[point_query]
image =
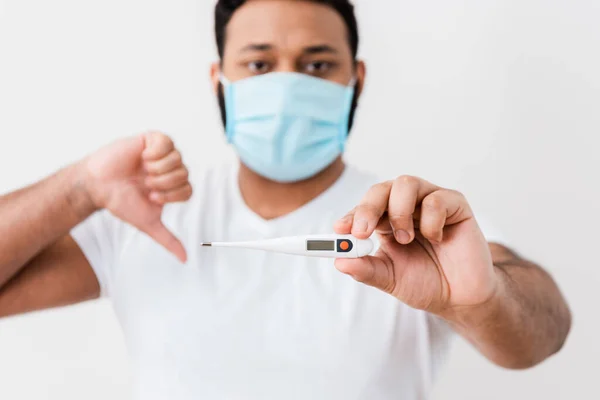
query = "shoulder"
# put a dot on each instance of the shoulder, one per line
(207, 183)
(212, 192)
(215, 177)
(356, 179)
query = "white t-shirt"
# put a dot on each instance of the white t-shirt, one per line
(236, 324)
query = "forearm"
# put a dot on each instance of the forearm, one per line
(523, 324)
(36, 216)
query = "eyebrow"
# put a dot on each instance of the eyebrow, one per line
(257, 47)
(322, 48)
(317, 49)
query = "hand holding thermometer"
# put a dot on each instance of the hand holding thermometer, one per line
(327, 246)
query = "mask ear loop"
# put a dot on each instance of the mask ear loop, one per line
(223, 79)
(229, 107)
(350, 88)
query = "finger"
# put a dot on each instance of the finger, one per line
(183, 193)
(370, 210)
(373, 271)
(343, 226)
(442, 208)
(157, 146)
(165, 238)
(166, 164)
(417, 213)
(433, 217)
(168, 181)
(457, 208)
(384, 227)
(145, 216)
(405, 194)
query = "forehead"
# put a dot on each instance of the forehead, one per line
(286, 24)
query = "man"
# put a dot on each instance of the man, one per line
(241, 324)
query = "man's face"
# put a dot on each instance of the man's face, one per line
(288, 36)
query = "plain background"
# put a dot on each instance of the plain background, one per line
(496, 98)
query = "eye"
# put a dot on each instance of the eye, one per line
(318, 67)
(258, 67)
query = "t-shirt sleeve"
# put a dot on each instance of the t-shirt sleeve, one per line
(100, 238)
(441, 338)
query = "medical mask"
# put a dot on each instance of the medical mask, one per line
(287, 126)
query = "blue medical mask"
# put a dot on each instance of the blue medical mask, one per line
(287, 126)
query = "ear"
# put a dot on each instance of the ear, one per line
(361, 73)
(215, 72)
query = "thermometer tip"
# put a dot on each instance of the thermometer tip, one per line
(206, 244)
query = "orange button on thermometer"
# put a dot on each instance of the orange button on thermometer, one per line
(328, 246)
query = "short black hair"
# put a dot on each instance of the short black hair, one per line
(225, 9)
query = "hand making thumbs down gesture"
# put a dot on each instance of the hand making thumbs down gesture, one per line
(134, 178)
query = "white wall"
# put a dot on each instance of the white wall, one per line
(496, 98)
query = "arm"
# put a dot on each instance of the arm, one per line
(40, 264)
(434, 257)
(59, 275)
(524, 323)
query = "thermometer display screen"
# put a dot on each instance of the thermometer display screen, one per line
(320, 245)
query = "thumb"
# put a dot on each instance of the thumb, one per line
(159, 232)
(372, 271)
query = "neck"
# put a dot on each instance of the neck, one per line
(271, 199)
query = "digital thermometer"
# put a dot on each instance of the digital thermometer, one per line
(328, 246)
